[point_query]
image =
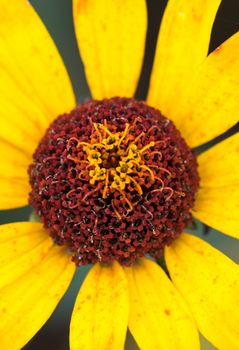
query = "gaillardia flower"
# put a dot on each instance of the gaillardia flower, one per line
(115, 181)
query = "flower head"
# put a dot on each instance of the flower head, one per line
(124, 185)
(115, 181)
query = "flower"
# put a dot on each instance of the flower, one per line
(118, 161)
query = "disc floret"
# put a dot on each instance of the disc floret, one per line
(114, 160)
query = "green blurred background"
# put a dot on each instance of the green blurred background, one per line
(57, 16)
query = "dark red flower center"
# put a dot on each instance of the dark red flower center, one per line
(113, 179)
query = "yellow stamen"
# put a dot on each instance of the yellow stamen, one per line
(94, 157)
(124, 134)
(97, 174)
(97, 145)
(137, 186)
(149, 170)
(124, 167)
(106, 126)
(82, 178)
(133, 153)
(106, 185)
(77, 160)
(107, 131)
(135, 141)
(110, 142)
(87, 144)
(98, 132)
(119, 182)
(100, 153)
(139, 137)
(151, 144)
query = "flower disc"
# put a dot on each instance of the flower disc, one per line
(113, 179)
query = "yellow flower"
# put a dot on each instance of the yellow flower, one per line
(199, 93)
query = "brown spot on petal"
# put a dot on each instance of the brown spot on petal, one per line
(167, 312)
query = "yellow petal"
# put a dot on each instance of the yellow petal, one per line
(14, 184)
(182, 46)
(35, 87)
(159, 318)
(111, 39)
(218, 166)
(212, 102)
(218, 207)
(34, 281)
(13, 192)
(100, 315)
(22, 244)
(209, 281)
(217, 201)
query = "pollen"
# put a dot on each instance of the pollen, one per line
(113, 180)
